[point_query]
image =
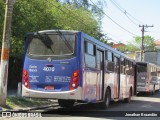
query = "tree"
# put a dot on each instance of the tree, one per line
(35, 15)
(135, 45)
(96, 10)
(2, 6)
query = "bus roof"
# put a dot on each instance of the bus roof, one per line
(51, 31)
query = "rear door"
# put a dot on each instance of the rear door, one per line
(100, 80)
(90, 72)
(117, 77)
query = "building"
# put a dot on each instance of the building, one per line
(116, 46)
(150, 56)
(157, 44)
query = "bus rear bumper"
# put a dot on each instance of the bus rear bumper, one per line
(143, 89)
(72, 94)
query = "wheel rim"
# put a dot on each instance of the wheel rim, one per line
(107, 99)
(153, 89)
(129, 95)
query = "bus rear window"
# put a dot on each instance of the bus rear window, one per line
(141, 68)
(52, 45)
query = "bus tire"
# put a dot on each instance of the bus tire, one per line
(66, 103)
(106, 102)
(128, 100)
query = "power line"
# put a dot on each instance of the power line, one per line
(126, 13)
(74, 16)
(113, 20)
(116, 37)
(66, 12)
(123, 11)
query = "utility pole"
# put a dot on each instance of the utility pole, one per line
(5, 52)
(142, 46)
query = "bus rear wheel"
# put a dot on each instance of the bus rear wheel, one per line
(128, 100)
(66, 103)
(106, 102)
(153, 92)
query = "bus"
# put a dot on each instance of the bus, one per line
(71, 66)
(148, 76)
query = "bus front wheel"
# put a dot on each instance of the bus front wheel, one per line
(66, 103)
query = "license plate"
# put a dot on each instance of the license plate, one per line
(49, 87)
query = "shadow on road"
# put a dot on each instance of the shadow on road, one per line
(144, 94)
(117, 109)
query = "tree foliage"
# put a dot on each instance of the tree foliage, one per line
(136, 43)
(35, 15)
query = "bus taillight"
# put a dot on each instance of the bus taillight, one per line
(74, 80)
(26, 79)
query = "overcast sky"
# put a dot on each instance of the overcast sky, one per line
(139, 12)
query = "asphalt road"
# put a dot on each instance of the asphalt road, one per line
(143, 104)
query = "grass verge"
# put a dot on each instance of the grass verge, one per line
(14, 102)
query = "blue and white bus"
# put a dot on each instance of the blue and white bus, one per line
(73, 67)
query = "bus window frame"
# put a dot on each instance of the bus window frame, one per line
(86, 52)
(109, 61)
(122, 65)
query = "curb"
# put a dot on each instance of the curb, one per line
(30, 109)
(23, 109)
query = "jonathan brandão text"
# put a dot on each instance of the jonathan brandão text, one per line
(141, 115)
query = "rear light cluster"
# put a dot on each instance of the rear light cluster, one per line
(26, 79)
(74, 80)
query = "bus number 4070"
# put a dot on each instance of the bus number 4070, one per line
(48, 68)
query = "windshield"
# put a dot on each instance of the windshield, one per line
(52, 45)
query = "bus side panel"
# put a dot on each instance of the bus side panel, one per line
(109, 82)
(131, 84)
(154, 79)
(123, 86)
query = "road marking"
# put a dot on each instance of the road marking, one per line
(146, 99)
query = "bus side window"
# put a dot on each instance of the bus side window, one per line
(126, 68)
(110, 56)
(130, 68)
(122, 65)
(90, 54)
(109, 61)
(154, 71)
(158, 72)
(85, 46)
